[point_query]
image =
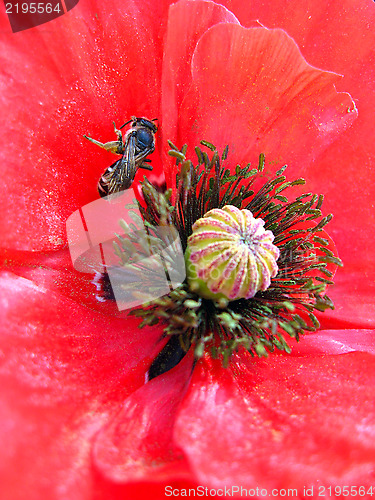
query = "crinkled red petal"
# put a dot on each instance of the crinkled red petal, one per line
(281, 422)
(253, 90)
(138, 443)
(337, 36)
(97, 64)
(64, 371)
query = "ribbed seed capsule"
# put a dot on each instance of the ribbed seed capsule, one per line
(230, 255)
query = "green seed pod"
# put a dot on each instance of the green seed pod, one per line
(230, 255)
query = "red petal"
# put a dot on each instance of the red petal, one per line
(353, 296)
(338, 36)
(54, 272)
(97, 64)
(254, 91)
(335, 342)
(137, 444)
(187, 21)
(282, 422)
(64, 371)
(335, 35)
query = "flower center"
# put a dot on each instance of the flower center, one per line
(247, 286)
(230, 255)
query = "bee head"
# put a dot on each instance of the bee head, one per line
(142, 122)
(145, 122)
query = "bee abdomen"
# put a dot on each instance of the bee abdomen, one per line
(107, 182)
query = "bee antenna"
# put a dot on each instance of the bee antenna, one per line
(154, 120)
(127, 123)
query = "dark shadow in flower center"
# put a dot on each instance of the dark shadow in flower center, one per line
(168, 357)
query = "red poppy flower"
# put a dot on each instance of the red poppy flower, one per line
(77, 420)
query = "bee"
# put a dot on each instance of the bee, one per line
(137, 143)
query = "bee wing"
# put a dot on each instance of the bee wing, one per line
(120, 175)
(128, 166)
(141, 155)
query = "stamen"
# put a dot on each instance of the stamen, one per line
(256, 263)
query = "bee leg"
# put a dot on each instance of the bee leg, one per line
(118, 133)
(115, 147)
